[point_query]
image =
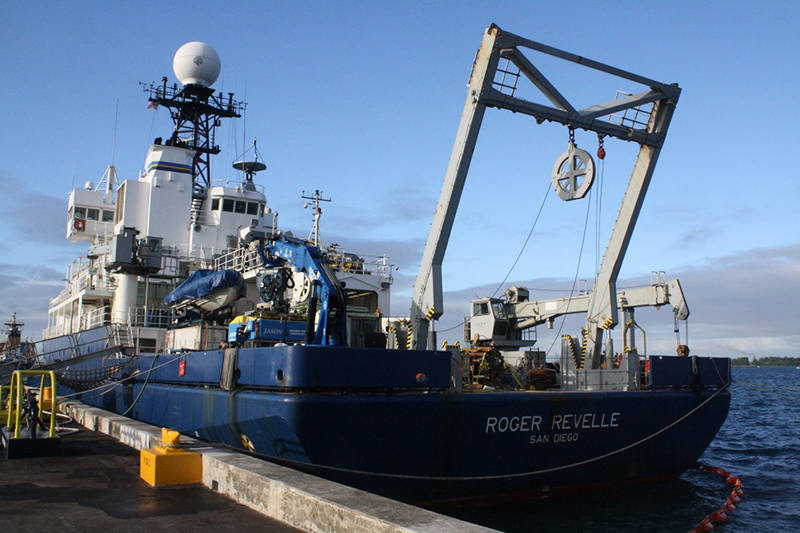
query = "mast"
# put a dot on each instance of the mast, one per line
(313, 236)
(14, 332)
(195, 108)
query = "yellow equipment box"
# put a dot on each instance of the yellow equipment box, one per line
(167, 465)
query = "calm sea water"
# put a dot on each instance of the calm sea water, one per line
(759, 443)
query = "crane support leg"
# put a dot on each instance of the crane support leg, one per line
(427, 302)
(602, 312)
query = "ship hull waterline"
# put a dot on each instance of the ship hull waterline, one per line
(433, 446)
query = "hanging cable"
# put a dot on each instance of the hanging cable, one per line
(601, 155)
(144, 386)
(524, 244)
(598, 215)
(152, 128)
(516, 260)
(235, 136)
(575, 279)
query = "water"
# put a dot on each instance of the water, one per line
(759, 443)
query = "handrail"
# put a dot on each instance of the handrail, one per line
(244, 260)
(16, 380)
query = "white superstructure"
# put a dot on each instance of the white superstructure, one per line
(148, 234)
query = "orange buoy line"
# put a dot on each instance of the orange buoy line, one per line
(721, 515)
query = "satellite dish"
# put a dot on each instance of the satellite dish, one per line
(196, 63)
(249, 167)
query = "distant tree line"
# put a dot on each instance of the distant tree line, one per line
(766, 361)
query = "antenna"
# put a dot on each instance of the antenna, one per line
(114, 142)
(109, 178)
(244, 121)
(313, 236)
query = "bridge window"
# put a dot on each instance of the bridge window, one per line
(480, 308)
(214, 204)
(227, 205)
(80, 212)
(108, 216)
(92, 214)
(240, 206)
(252, 208)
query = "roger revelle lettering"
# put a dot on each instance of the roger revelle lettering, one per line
(561, 428)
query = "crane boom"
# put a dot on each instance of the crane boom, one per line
(537, 312)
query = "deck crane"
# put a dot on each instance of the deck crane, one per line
(501, 322)
(486, 90)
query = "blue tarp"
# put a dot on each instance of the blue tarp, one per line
(204, 282)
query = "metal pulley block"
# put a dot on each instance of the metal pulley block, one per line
(573, 173)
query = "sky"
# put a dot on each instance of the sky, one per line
(362, 100)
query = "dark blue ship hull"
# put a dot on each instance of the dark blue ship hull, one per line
(396, 429)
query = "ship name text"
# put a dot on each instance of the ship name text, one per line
(560, 428)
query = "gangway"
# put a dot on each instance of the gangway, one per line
(117, 340)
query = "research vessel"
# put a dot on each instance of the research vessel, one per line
(278, 346)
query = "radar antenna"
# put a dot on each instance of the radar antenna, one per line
(250, 167)
(196, 112)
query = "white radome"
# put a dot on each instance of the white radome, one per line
(196, 62)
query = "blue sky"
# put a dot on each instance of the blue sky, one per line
(362, 100)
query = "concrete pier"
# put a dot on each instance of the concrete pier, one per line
(93, 485)
(294, 498)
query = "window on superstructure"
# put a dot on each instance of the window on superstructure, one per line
(261, 210)
(80, 212)
(227, 205)
(480, 308)
(498, 309)
(240, 206)
(362, 301)
(214, 204)
(147, 345)
(108, 216)
(92, 214)
(252, 208)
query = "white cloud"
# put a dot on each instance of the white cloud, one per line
(742, 304)
(26, 290)
(32, 216)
